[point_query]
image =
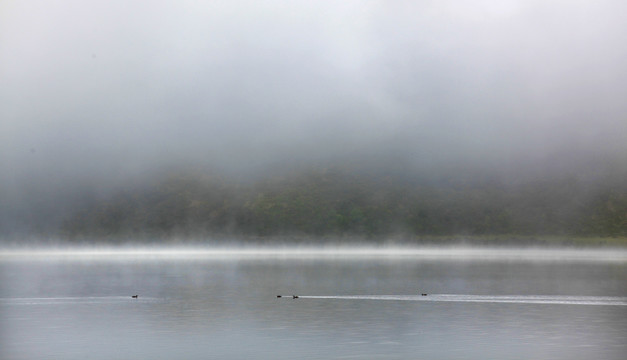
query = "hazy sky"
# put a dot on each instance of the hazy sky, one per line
(112, 87)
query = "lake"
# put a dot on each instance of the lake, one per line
(354, 303)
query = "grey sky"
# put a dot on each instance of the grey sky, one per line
(112, 87)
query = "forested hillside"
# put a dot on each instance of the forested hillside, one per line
(332, 202)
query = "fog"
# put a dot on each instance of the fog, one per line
(331, 253)
(99, 94)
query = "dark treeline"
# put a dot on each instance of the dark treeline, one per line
(336, 203)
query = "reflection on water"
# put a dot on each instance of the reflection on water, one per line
(79, 306)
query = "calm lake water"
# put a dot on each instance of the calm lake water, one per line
(353, 304)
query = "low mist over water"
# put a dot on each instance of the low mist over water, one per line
(328, 252)
(456, 104)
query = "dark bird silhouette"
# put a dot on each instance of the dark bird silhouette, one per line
(424, 294)
(278, 296)
(134, 296)
(294, 296)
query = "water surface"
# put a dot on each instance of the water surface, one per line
(207, 304)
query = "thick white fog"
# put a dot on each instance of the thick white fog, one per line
(96, 93)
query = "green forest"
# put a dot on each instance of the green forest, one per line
(336, 203)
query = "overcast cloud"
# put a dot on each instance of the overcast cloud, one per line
(94, 88)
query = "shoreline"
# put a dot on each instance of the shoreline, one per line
(506, 241)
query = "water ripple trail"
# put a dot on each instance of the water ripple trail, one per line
(517, 299)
